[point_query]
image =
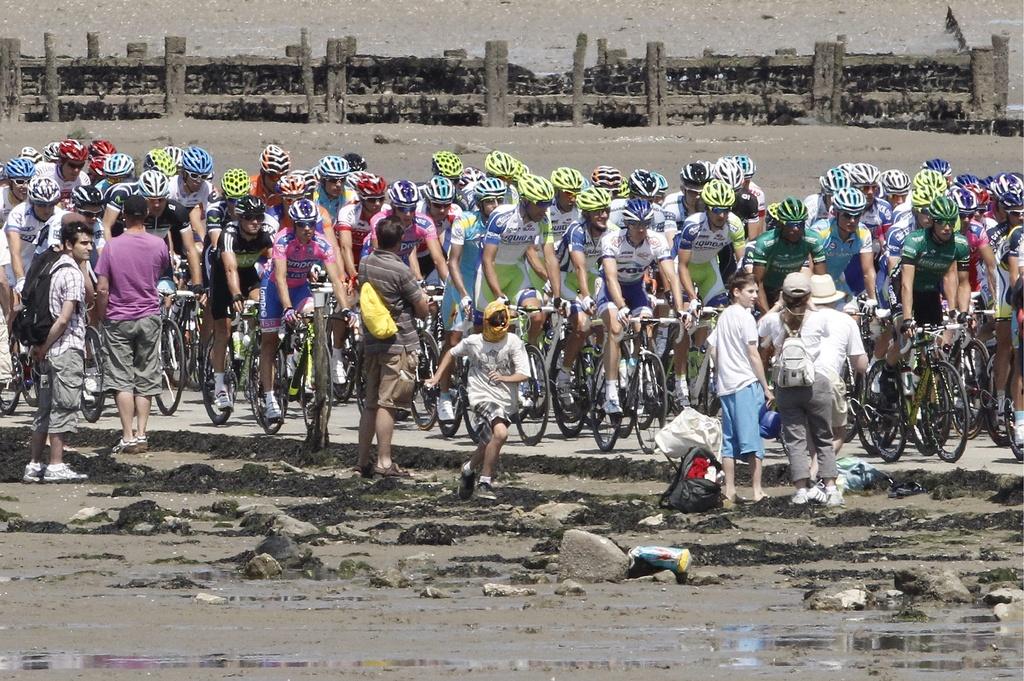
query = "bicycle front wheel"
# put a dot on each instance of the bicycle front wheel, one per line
(10, 390)
(884, 433)
(648, 388)
(605, 426)
(92, 387)
(532, 415)
(424, 400)
(974, 369)
(944, 413)
(208, 388)
(172, 367)
(571, 404)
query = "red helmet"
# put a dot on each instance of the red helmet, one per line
(292, 184)
(101, 148)
(96, 164)
(371, 186)
(73, 150)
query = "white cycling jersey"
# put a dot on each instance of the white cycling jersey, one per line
(758, 193)
(52, 171)
(513, 233)
(658, 223)
(35, 234)
(562, 221)
(633, 259)
(191, 199)
(6, 203)
(816, 209)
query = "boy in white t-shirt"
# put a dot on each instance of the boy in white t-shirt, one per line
(741, 383)
(497, 364)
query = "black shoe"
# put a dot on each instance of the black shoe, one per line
(485, 491)
(466, 483)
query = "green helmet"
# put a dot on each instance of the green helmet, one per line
(717, 194)
(593, 199)
(235, 183)
(535, 188)
(943, 209)
(447, 164)
(500, 164)
(567, 179)
(792, 210)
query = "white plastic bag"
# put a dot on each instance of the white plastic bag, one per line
(690, 429)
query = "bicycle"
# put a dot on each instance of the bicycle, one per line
(970, 356)
(642, 389)
(533, 394)
(424, 399)
(93, 395)
(703, 387)
(173, 366)
(301, 347)
(933, 400)
(571, 414)
(242, 344)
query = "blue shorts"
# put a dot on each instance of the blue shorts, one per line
(633, 294)
(451, 311)
(271, 309)
(741, 422)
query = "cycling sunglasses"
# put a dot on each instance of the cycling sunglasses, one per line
(196, 176)
(74, 166)
(404, 209)
(717, 210)
(20, 182)
(440, 205)
(850, 216)
(1016, 212)
(90, 213)
(252, 216)
(638, 224)
(542, 204)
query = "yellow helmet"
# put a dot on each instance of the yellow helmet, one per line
(235, 183)
(158, 159)
(927, 185)
(567, 179)
(500, 164)
(497, 319)
(593, 199)
(718, 194)
(536, 189)
(447, 164)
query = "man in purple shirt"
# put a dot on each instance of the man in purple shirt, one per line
(129, 269)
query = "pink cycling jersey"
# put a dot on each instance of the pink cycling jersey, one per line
(300, 257)
(977, 238)
(416, 234)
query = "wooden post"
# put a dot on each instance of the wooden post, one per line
(348, 50)
(136, 50)
(92, 45)
(331, 58)
(602, 51)
(578, 74)
(824, 65)
(10, 54)
(1001, 71)
(5, 77)
(51, 83)
(496, 82)
(983, 97)
(308, 86)
(838, 61)
(316, 435)
(174, 75)
(657, 84)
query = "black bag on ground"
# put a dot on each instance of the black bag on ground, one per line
(692, 495)
(33, 321)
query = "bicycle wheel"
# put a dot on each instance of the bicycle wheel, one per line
(92, 387)
(10, 390)
(207, 386)
(1008, 421)
(172, 367)
(993, 412)
(457, 390)
(854, 396)
(343, 392)
(945, 406)
(605, 426)
(424, 400)
(534, 396)
(308, 397)
(707, 399)
(648, 387)
(883, 434)
(571, 413)
(973, 367)
(30, 384)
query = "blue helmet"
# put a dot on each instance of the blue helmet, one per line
(439, 190)
(965, 200)
(771, 423)
(967, 180)
(198, 161)
(939, 165)
(20, 168)
(490, 188)
(746, 165)
(850, 200)
(118, 165)
(1013, 197)
(834, 180)
(661, 180)
(638, 210)
(303, 212)
(403, 194)
(333, 167)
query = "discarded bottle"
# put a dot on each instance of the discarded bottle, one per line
(646, 560)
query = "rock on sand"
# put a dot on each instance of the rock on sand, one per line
(587, 557)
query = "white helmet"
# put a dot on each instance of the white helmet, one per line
(729, 171)
(153, 185)
(43, 190)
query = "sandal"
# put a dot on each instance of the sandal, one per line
(392, 471)
(366, 471)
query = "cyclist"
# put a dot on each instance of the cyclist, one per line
(176, 154)
(578, 253)
(749, 169)
(819, 206)
(607, 177)
(700, 240)
(1005, 238)
(895, 186)
(463, 267)
(466, 186)
(293, 187)
(245, 240)
(333, 193)
(353, 222)
(746, 206)
(285, 294)
(87, 201)
(785, 249)
(662, 190)
(975, 230)
(192, 188)
(438, 203)
(506, 168)
(933, 259)
(685, 202)
(848, 244)
(625, 255)
(940, 166)
(19, 172)
(274, 162)
(420, 236)
(117, 168)
(29, 226)
(568, 183)
(448, 165)
(641, 184)
(513, 232)
(66, 170)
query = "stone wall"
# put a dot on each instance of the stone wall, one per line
(963, 91)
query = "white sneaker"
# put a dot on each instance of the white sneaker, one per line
(525, 400)
(1018, 433)
(800, 497)
(611, 405)
(445, 409)
(817, 495)
(682, 392)
(91, 385)
(339, 371)
(33, 472)
(61, 472)
(834, 497)
(272, 412)
(222, 400)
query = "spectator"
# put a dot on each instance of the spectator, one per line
(61, 358)
(497, 363)
(741, 383)
(129, 269)
(389, 365)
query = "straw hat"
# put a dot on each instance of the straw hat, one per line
(823, 290)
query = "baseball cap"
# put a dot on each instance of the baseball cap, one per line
(796, 284)
(135, 206)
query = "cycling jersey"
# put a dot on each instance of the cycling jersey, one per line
(114, 199)
(840, 253)
(578, 239)
(509, 229)
(299, 258)
(561, 221)
(658, 222)
(977, 238)
(443, 227)
(780, 257)
(352, 219)
(35, 234)
(704, 245)
(333, 206)
(759, 195)
(878, 218)
(279, 215)
(674, 207)
(200, 197)
(414, 239)
(270, 197)
(931, 260)
(467, 231)
(52, 171)
(816, 209)
(1005, 241)
(746, 207)
(633, 260)
(247, 252)
(6, 203)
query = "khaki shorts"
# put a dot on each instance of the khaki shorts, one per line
(131, 356)
(840, 406)
(390, 380)
(60, 392)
